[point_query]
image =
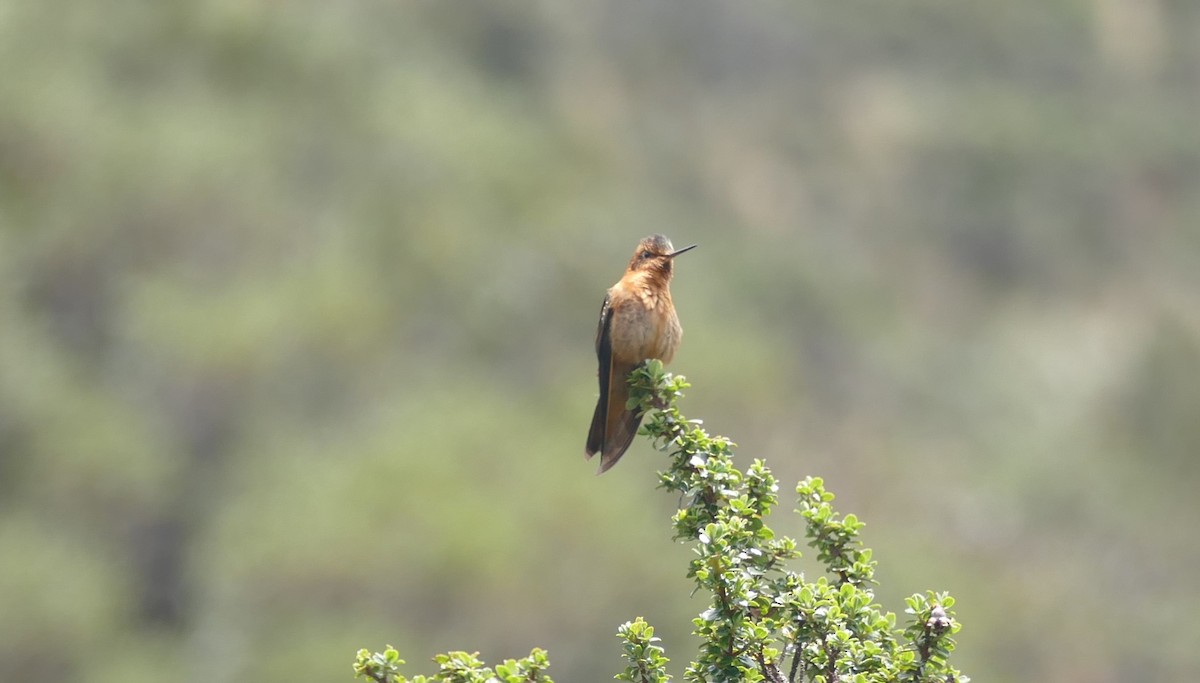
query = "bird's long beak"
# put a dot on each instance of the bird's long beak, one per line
(677, 253)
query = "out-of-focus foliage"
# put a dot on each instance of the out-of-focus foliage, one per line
(260, 261)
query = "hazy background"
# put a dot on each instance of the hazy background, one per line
(297, 303)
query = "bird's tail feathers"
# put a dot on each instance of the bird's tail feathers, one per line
(619, 439)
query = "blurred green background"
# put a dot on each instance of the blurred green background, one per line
(297, 303)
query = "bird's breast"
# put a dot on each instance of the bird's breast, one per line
(645, 326)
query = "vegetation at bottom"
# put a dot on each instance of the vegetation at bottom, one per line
(765, 621)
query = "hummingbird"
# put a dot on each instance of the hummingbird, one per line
(637, 322)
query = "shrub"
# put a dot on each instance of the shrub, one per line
(765, 622)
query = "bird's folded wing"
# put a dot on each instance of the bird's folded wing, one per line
(595, 440)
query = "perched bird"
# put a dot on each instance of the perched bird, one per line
(637, 322)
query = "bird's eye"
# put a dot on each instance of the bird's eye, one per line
(647, 254)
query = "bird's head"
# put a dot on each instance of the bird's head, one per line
(654, 255)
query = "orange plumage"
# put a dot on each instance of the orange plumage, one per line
(637, 322)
